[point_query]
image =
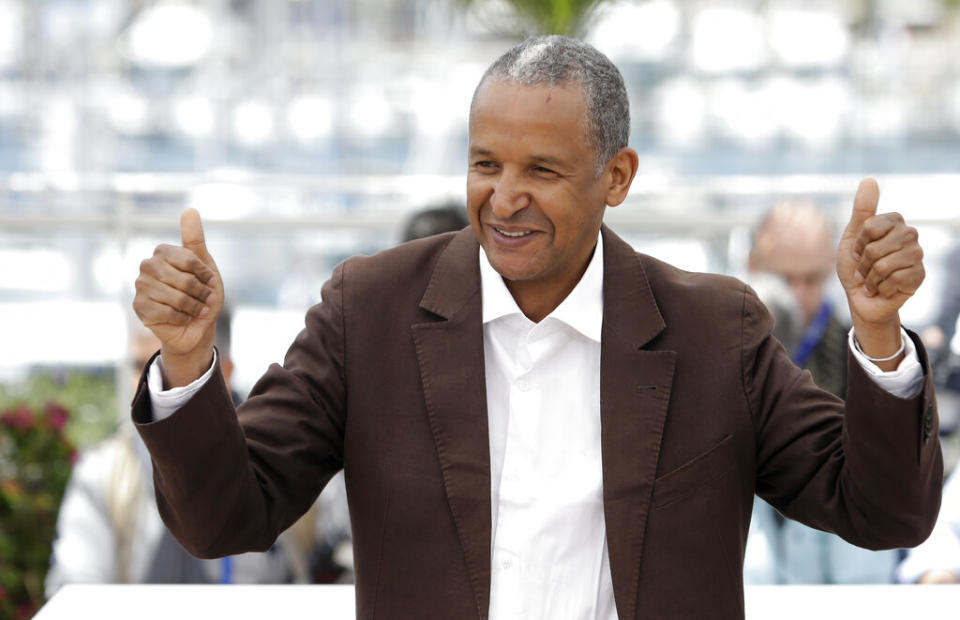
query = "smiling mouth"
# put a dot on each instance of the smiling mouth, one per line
(513, 235)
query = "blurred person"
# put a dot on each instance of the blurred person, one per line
(939, 337)
(434, 221)
(532, 418)
(937, 559)
(108, 527)
(794, 242)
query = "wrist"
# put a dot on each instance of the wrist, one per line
(880, 342)
(180, 369)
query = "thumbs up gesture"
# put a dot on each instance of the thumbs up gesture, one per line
(179, 296)
(880, 265)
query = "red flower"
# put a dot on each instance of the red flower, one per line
(57, 416)
(21, 417)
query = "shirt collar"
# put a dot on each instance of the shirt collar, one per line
(582, 309)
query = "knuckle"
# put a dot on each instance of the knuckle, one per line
(911, 234)
(881, 268)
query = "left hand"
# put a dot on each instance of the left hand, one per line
(879, 261)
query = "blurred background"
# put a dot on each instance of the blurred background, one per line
(306, 131)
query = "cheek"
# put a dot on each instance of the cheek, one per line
(477, 194)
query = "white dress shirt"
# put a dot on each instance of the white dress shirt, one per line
(549, 546)
(549, 555)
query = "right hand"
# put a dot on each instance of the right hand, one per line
(179, 296)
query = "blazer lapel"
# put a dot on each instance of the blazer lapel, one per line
(634, 394)
(450, 354)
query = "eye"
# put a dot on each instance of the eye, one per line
(485, 165)
(544, 172)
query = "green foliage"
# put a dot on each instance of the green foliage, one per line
(568, 17)
(37, 450)
(35, 463)
(90, 396)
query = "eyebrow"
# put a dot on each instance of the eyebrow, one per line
(543, 159)
(546, 159)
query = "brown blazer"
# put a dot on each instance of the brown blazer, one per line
(700, 408)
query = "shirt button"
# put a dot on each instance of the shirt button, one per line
(523, 386)
(507, 564)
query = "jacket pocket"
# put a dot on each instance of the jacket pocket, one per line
(699, 471)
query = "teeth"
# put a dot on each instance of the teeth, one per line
(513, 234)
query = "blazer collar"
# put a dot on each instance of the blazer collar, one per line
(456, 276)
(630, 310)
(635, 385)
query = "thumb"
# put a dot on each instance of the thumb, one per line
(864, 204)
(191, 234)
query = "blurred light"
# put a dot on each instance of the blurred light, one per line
(11, 99)
(370, 114)
(683, 253)
(310, 117)
(108, 270)
(953, 105)
(434, 109)
(636, 31)
(128, 113)
(223, 201)
(813, 112)
(102, 339)
(746, 113)
(194, 116)
(260, 337)
(727, 39)
(170, 34)
(253, 122)
(12, 28)
(681, 111)
(35, 270)
(57, 136)
(804, 38)
(882, 117)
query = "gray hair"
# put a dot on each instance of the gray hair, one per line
(558, 60)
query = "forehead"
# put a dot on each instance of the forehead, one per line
(558, 110)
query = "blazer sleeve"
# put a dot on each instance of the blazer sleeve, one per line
(869, 470)
(231, 480)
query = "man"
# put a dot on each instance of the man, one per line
(533, 420)
(108, 528)
(794, 242)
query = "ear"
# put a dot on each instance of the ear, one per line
(621, 170)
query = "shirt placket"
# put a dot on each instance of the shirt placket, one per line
(517, 484)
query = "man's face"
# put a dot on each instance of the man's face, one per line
(533, 196)
(804, 261)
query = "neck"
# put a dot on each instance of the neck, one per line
(537, 299)
(537, 302)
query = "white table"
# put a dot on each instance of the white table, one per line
(185, 602)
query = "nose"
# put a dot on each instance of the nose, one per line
(509, 195)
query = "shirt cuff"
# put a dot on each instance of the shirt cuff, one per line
(906, 381)
(166, 402)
